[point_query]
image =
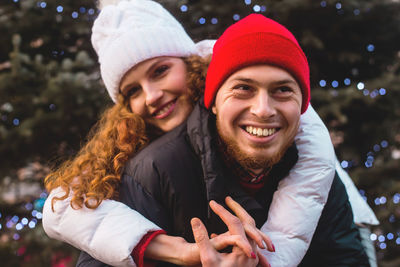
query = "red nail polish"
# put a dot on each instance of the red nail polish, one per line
(273, 248)
(253, 255)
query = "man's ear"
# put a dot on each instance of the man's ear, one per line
(214, 109)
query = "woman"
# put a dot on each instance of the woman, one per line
(138, 116)
(126, 127)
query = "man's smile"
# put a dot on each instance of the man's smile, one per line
(261, 132)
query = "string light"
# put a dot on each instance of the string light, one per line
(360, 86)
(344, 164)
(32, 224)
(24, 221)
(184, 8)
(376, 148)
(19, 226)
(396, 198)
(13, 222)
(373, 237)
(384, 143)
(15, 219)
(257, 8)
(28, 206)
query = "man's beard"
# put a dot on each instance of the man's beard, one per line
(249, 162)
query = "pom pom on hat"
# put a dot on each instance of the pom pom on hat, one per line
(256, 40)
(129, 32)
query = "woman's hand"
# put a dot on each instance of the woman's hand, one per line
(238, 227)
(262, 240)
(210, 257)
(176, 250)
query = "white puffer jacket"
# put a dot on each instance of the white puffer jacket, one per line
(110, 232)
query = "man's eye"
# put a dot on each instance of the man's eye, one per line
(243, 87)
(160, 70)
(285, 89)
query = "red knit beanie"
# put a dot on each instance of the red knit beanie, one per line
(256, 40)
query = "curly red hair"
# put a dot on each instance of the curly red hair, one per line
(94, 173)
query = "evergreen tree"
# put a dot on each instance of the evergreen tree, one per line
(51, 94)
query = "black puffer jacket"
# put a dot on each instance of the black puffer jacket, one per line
(173, 179)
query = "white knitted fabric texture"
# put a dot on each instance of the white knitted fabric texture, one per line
(129, 32)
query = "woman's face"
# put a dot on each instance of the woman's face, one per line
(156, 90)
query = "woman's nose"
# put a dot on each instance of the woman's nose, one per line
(153, 94)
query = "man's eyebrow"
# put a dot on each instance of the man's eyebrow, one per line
(256, 82)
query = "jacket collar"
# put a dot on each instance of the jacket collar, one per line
(203, 139)
(218, 179)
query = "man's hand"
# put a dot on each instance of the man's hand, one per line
(240, 226)
(262, 240)
(243, 245)
(210, 257)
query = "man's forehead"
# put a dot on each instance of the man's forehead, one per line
(262, 73)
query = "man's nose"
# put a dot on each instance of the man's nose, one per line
(153, 94)
(263, 105)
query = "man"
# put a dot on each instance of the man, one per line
(240, 143)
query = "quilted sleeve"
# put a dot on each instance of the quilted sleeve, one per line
(300, 198)
(93, 230)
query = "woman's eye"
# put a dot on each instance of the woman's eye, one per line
(160, 70)
(132, 91)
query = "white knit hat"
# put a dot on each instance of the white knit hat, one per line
(129, 32)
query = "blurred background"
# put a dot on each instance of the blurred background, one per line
(51, 94)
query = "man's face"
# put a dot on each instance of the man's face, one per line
(258, 111)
